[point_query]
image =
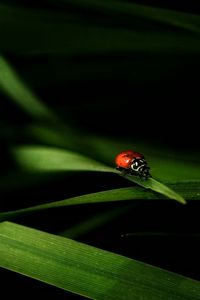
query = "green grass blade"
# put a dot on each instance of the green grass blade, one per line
(86, 270)
(121, 194)
(94, 222)
(40, 158)
(71, 34)
(132, 193)
(190, 189)
(177, 19)
(13, 86)
(157, 187)
(49, 159)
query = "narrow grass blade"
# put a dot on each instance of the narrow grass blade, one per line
(177, 19)
(122, 194)
(49, 159)
(157, 187)
(190, 189)
(40, 158)
(13, 86)
(162, 234)
(132, 193)
(96, 221)
(86, 270)
(61, 32)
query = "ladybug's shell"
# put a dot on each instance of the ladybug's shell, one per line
(126, 158)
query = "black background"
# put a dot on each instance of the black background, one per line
(148, 96)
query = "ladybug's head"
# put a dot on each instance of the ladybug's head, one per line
(139, 167)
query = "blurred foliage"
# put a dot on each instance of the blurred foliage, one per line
(102, 61)
(94, 78)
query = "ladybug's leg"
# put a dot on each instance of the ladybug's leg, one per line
(123, 171)
(145, 173)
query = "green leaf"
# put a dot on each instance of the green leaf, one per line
(49, 159)
(38, 158)
(86, 270)
(121, 194)
(94, 222)
(13, 86)
(157, 187)
(176, 19)
(132, 193)
(39, 31)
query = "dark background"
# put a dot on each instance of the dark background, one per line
(143, 95)
(151, 95)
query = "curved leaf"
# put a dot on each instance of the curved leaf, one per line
(38, 158)
(49, 159)
(86, 270)
(132, 193)
(12, 85)
(39, 31)
(121, 194)
(157, 187)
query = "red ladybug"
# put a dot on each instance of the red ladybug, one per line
(132, 162)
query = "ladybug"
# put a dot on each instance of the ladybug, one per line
(132, 162)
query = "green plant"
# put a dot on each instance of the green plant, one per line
(46, 152)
